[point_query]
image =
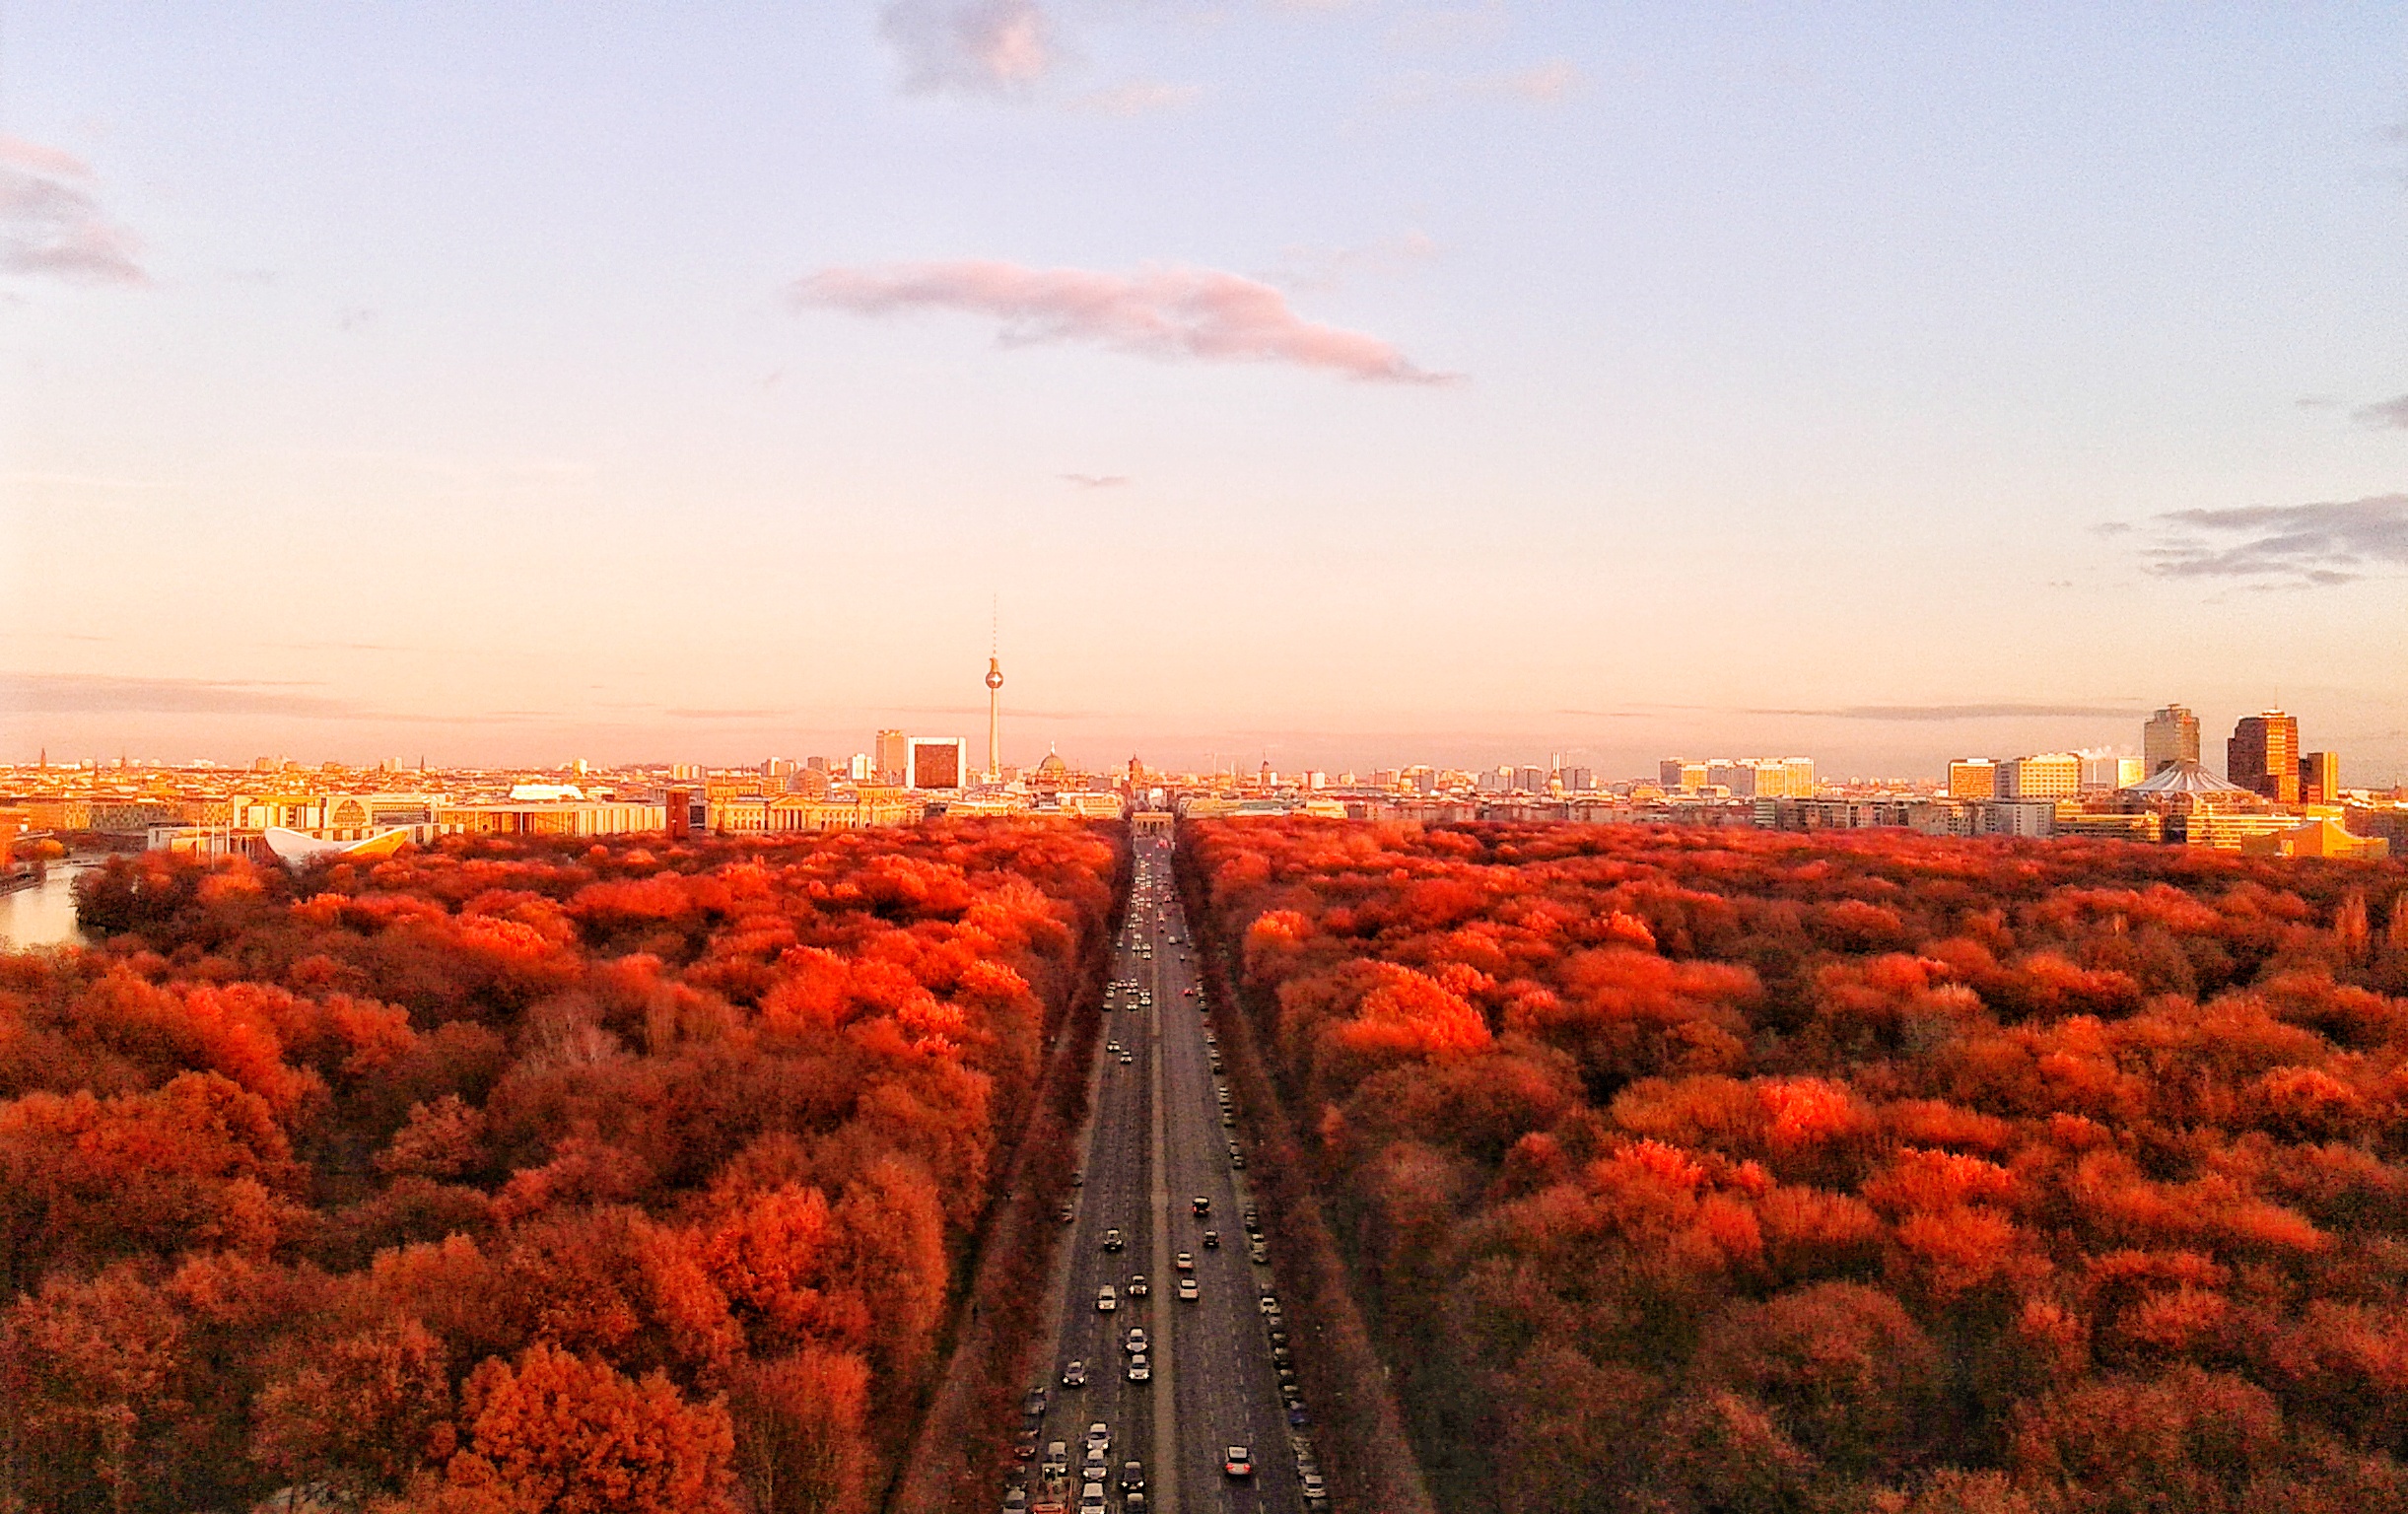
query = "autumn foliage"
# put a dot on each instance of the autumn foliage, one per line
(516, 1176)
(1695, 1171)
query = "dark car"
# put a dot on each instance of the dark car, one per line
(1200, 1205)
(1211, 1240)
(1024, 1449)
(1238, 1461)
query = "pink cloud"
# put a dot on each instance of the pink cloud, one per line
(1159, 312)
(975, 46)
(50, 226)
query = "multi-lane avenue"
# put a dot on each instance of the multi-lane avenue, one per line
(1161, 1240)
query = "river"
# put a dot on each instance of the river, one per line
(44, 914)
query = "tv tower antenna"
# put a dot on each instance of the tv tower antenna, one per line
(994, 686)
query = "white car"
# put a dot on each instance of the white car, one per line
(1106, 1300)
(1188, 1293)
(1138, 1371)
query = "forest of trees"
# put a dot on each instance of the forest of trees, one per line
(1687, 1171)
(510, 1175)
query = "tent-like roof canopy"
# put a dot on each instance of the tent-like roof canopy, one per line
(2184, 776)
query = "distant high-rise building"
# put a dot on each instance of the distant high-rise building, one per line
(2110, 770)
(893, 756)
(2320, 778)
(1530, 779)
(1801, 774)
(1972, 778)
(936, 762)
(862, 769)
(1669, 772)
(2168, 737)
(1580, 779)
(2044, 776)
(2263, 756)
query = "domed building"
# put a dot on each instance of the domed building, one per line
(1049, 776)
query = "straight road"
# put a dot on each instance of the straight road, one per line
(1156, 1145)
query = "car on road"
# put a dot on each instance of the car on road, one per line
(1211, 1240)
(1184, 1262)
(1316, 1491)
(1099, 1439)
(1258, 1252)
(1024, 1449)
(1135, 1503)
(1016, 1500)
(1238, 1461)
(1106, 1300)
(1228, 1122)
(1200, 1205)
(1034, 1405)
(1111, 1240)
(1135, 1340)
(1137, 1288)
(1113, 1047)
(1237, 1160)
(1138, 1371)
(1133, 1477)
(1186, 1290)
(1091, 1498)
(1126, 1060)
(1074, 1375)
(1269, 1303)
(1057, 1463)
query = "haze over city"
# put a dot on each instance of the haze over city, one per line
(1345, 384)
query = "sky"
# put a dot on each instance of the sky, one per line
(1334, 384)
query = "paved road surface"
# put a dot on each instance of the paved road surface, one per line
(1156, 1144)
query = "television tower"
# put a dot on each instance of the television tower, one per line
(994, 724)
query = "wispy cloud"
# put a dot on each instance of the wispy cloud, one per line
(1017, 712)
(97, 694)
(729, 714)
(1161, 310)
(1304, 267)
(51, 226)
(1138, 97)
(1541, 84)
(2299, 546)
(2391, 414)
(1962, 712)
(997, 47)
(1097, 480)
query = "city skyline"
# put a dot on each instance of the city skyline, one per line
(1491, 382)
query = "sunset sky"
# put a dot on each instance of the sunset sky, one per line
(1346, 383)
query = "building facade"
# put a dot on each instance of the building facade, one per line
(2168, 737)
(2263, 756)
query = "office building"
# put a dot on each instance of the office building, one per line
(2043, 776)
(893, 757)
(2263, 756)
(1972, 778)
(2320, 778)
(2168, 737)
(936, 762)
(2109, 770)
